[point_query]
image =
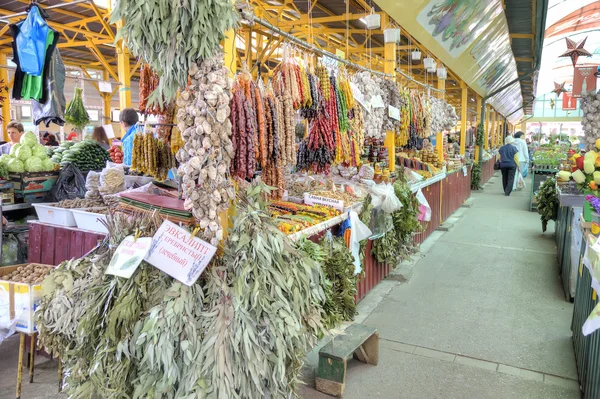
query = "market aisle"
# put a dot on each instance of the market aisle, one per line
(484, 315)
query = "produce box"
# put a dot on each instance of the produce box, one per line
(49, 213)
(7, 197)
(88, 219)
(19, 300)
(32, 182)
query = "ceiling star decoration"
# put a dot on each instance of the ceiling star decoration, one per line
(559, 88)
(575, 50)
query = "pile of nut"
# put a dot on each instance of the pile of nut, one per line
(32, 273)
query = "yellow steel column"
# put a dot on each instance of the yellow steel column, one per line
(439, 136)
(463, 117)
(479, 121)
(390, 136)
(124, 77)
(106, 98)
(488, 136)
(524, 127)
(494, 132)
(6, 101)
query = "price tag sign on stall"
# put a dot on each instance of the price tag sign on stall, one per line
(104, 87)
(393, 112)
(311, 199)
(128, 256)
(377, 102)
(176, 252)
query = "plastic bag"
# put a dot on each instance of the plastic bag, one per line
(53, 110)
(381, 222)
(424, 208)
(112, 179)
(384, 197)
(31, 42)
(10, 250)
(70, 185)
(359, 231)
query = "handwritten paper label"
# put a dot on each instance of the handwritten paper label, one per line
(358, 96)
(377, 102)
(105, 87)
(177, 253)
(311, 199)
(394, 112)
(128, 256)
(464, 169)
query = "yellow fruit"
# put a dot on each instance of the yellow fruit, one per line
(598, 144)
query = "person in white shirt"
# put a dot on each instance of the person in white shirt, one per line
(15, 131)
(523, 153)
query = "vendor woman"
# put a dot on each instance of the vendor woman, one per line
(15, 130)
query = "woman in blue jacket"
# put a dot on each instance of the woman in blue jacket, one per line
(129, 119)
(509, 163)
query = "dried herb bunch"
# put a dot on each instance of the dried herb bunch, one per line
(171, 35)
(264, 307)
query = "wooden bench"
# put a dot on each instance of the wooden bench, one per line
(360, 342)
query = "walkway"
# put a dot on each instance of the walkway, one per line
(483, 316)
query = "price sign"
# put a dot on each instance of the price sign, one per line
(394, 112)
(377, 102)
(311, 199)
(177, 253)
(105, 87)
(128, 256)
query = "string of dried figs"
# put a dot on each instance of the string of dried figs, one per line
(208, 150)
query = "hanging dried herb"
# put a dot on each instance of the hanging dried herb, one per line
(338, 268)
(172, 35)
(76, 114)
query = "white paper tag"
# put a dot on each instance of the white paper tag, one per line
(105, 87)
(377, 102)
(128, 256)
(358, 96)
(464, 169)
(108, 129)
(394, 112)
(177, 253)
(311, 199)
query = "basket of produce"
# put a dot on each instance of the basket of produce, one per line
(116, 154)
(86, 155)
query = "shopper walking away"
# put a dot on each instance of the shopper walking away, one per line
(509, 163)
(523, 153)
(129, 119)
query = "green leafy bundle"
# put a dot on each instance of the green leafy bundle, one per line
(76, 114)
(547, 202)
(476, 177)
(480, 138)
(264, 307)
(397, 243)
(339, 271)
(171, 35)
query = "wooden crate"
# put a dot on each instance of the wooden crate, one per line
(19, 300)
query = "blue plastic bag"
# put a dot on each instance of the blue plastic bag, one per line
(31, 42)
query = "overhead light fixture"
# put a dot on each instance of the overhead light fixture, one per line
(428, 63)
(442, 73)
(373, 21)
(391, 35)
(415, 57)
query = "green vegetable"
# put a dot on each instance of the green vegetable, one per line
(547, 202)
(48, 165)
(16, 166)
(23, 153)
(29, 139)
(4, 158)
(172, 35)
(86, 155)
(76, 114)
(476, 177)
(33, 164)
(3, 170)
(39, 151)
(14, 149)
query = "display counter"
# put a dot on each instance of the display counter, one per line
(51, 244)
(487, 170)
